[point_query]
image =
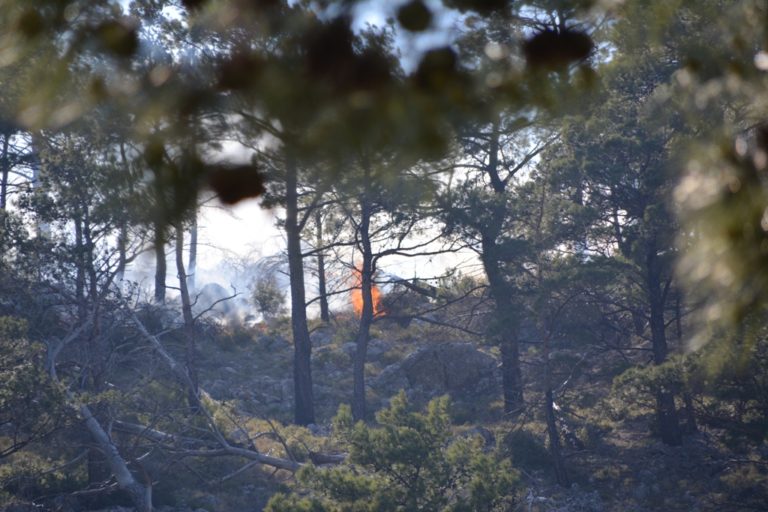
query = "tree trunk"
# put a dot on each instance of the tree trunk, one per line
(5, 168)
(554, 441)
(504, 328)
(80, 268)
(186, 311)
(511, 376)
(97, 468)
(42, 228)
(122, 238)
(325, 315)
(359, 405)
(689, 412)
(561, 475)
(160, 264)
(89, 259)
(504, 331)
(666, 413)
(304, 408)
(122, 243)
(140, 495)
(192, 253)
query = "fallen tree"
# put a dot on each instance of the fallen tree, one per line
(139, 493)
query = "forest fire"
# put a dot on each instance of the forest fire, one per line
(356, 295)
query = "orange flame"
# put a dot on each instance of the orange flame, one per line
(357, 296)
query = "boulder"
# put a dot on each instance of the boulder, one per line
(322, 336)
(460, 370)
(349, 348)
(378, 348)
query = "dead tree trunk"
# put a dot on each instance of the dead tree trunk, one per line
(122, 238)
(561, 476)
(122, 249)
(189, 321)
(140, 494)
(225, 447)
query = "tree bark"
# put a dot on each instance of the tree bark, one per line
(200, 448)
(511, 376)
(304, 408)
(691, 425)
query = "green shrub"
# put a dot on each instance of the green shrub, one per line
(409, 462)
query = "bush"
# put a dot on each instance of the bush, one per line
(409, 462)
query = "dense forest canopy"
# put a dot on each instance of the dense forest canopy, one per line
(595, 172)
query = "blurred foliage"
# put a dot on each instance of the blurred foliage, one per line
(722, 193)
(299, 68)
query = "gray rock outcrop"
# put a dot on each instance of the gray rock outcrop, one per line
(461, 370)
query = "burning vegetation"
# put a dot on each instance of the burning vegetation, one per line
(356, 295)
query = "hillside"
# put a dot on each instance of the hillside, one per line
(612, 459)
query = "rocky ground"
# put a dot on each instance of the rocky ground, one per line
(614, 463)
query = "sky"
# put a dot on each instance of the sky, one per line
(247, 230)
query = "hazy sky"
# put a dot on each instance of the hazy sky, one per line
(247, 229)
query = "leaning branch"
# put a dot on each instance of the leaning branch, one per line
(224, 446)
(173, 443)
